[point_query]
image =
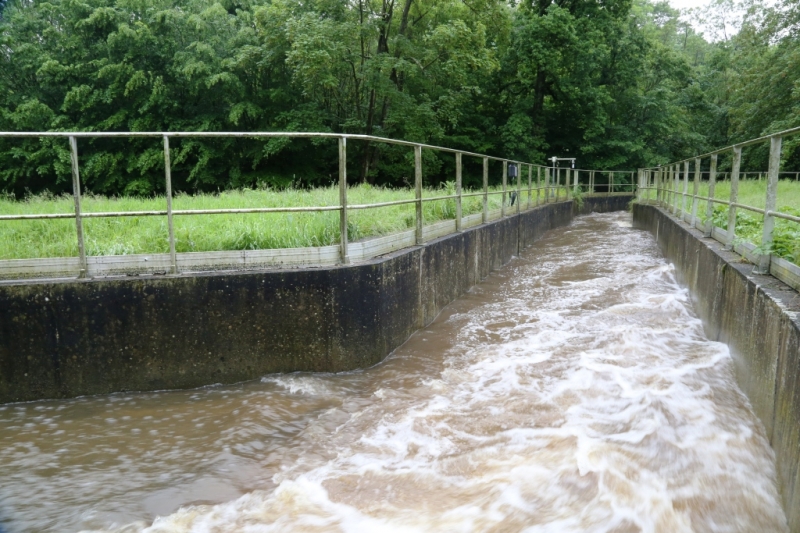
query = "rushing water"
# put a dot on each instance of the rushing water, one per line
(573, 391)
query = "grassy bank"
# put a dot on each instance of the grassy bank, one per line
(196, 233)
(786, 237)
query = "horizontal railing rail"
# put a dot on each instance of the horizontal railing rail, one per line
(672, 192)
(548, 188)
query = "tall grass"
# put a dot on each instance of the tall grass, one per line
(749, 224)
(195, 233)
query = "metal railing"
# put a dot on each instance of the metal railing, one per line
(666, 182)
(548, 182)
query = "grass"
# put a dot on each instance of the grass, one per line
(196, 233)
(749, 228)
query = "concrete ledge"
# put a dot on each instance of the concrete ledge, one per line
(78, 337)
(757, 316)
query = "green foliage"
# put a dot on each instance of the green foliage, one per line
(196, 233)
(618, 84)
(749, 227)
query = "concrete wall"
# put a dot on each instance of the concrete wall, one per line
(757, 316)
(72, 338)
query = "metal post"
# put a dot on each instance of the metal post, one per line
(695, 190)
(530, 179)
(505, 184)
(610, 188)
(418, 190)
(685, 189)
(519, 186)
(712, 181)
(538, 184)
(76, 193)
(657, 179)
(458, 191)
(575, 177)
(734, 197)
(345, 256)
(485, 190)
(675, 186)
(173, 260)
(591, 182)
(567, 184)
(771, 204)
(558, 183)
(640, 184)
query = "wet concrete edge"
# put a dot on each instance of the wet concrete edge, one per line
(61, 339)
(759, 318)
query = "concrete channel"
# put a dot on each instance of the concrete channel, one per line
(758, 317)
(62, 339)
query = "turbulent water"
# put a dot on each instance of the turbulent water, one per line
(573, 391)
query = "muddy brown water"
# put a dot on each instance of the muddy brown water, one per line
(574, 390)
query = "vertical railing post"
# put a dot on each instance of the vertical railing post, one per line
(665, 183)
(685, 189)
(675, 187)
(173, 260)
(610, 184)
(591, 182)
(576, 179)
(458, 191)
(519, 187)
(639, 187)
(344, 255)
(712, 181)
(772, 198)
(695, 191)
(418, 190)
(530, 179)
(734, 197)
(76, 193)
(505, 184)
(538, 183)
(568, 176)
(657, 184)
(558, 184)
(485, 190)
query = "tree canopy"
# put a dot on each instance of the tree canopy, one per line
(617, 84)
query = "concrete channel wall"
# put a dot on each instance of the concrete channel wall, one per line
(62, 339)
(757, 317)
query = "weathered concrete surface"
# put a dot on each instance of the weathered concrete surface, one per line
(73, 338)
(757, 316)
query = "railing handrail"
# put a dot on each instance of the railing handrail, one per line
(552, 180)
(293, 134)
(740, 145)
(669, 194)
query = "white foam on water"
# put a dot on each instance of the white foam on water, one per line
(602, 407)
